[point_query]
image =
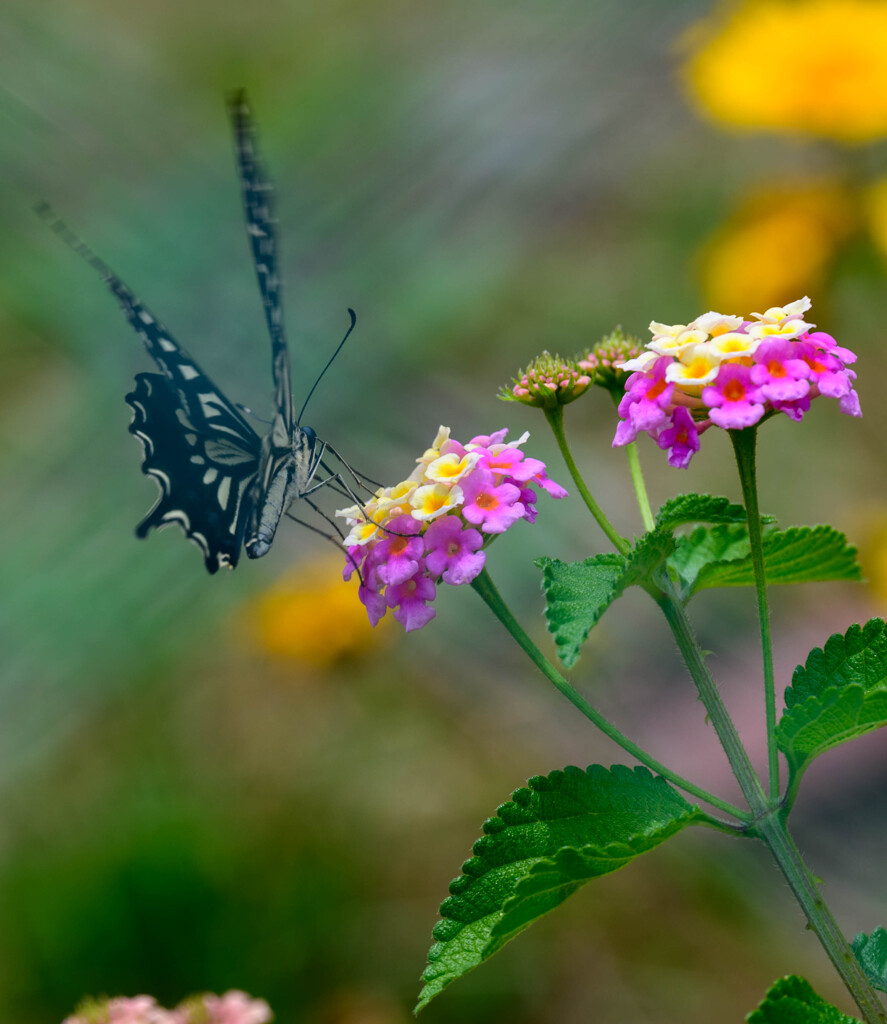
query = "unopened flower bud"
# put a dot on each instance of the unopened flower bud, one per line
(605, 359)
(549, 381)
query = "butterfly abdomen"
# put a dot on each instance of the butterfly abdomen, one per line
(283, 478)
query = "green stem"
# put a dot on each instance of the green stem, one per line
(640, 489)
(744, 443)
(665, 596)
(768, 817)
(555, 419)
(773, 832)
(769, 824)
(736, 753)
(485, 587)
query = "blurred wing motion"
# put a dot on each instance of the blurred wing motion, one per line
(258, 196)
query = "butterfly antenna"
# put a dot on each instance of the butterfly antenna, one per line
(328, 365)
(45, 211)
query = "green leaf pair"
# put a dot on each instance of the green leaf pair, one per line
(555, 835)
(717, 555)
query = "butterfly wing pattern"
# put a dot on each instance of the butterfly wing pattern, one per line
(226, 487)
(205, 474)
(197, 446)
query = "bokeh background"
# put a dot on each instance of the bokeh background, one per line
(231, 781)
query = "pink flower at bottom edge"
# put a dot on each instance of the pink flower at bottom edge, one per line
(137, 1010)
(236, 1007)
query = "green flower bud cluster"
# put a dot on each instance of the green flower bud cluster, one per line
(549, 381)
(604, 359)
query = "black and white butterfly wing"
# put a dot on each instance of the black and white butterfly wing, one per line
(205, 476)
(198, 447)
(258, 196)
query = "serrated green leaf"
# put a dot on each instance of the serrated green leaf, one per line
(871, 952)
(553, 879)
(572, 825)
(792, 1000)
(706, 546)
(838, 694)
(800, 554)
(578, 593)
(649, 552)
(700, 508)
(857, 656)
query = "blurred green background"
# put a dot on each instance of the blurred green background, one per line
(191, 797)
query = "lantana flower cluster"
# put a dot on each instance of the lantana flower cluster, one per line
(233, 1007)
(432, 526)
(729, 372)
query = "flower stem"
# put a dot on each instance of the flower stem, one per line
(736, 753)
(485, 587)
(555, 419)
(640, 489)
(744, 444)
(772, 830)
(769, 824)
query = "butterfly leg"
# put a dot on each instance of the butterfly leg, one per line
(323, 515)
(328, 536)
(361, 478)
(329, 480)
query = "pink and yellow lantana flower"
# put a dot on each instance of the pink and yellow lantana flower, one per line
(730, 372)
(432, 527)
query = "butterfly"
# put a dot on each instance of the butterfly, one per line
(223, 484)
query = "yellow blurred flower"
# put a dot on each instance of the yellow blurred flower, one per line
(813, 66)
(312, 616)
(780, 241)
